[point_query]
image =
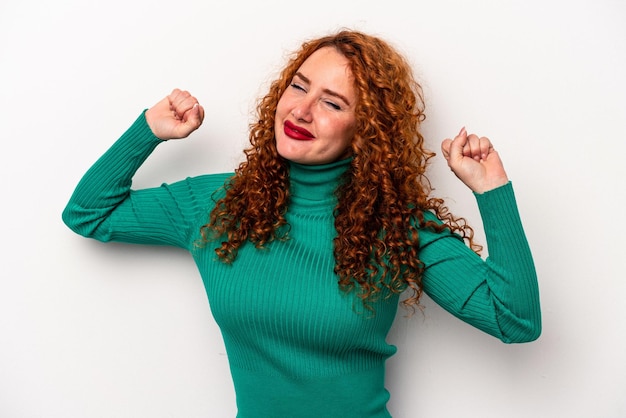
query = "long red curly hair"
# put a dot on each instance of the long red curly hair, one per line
(380, 206)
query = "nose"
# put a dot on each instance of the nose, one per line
(302, 110)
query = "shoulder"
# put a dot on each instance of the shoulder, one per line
(205, 183)
(434, 229)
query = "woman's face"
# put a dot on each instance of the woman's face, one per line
(315, 119)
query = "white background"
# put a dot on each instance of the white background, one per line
(94, 330)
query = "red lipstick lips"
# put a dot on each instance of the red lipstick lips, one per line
(296, 132)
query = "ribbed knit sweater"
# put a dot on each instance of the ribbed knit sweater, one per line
(297, 345)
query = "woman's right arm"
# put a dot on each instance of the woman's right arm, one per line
(104, 207)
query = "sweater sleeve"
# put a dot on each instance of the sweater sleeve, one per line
(499, 294)
(104, 207)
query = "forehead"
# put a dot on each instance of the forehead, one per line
(327, 59)
(330, 69)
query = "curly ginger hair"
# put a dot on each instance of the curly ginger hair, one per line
(381, 203)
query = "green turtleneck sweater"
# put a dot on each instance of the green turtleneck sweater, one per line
(297, 347)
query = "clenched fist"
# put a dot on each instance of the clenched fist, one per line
(176, 116)
(474, 161)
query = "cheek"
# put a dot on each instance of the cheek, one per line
(279, 118)
(282, 107)
(347, 134)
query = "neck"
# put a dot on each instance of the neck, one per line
(316, 184)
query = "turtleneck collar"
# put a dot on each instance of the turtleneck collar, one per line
(315, 184)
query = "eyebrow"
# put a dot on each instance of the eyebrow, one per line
(327, 91)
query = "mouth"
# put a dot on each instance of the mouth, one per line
(296, 132)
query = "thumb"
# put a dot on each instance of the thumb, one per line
(194, 116)
(456, 148)
(445, 148)
(453, 149)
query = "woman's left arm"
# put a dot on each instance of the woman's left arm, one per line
(500, 294)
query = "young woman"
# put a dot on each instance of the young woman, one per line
(306, 248)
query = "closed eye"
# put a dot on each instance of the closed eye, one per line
(297, 86)
(333, 105)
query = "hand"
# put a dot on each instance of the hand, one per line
(474, 161)
(176, 116)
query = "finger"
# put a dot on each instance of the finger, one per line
(469, 146)
(181, 101)
(477, 148)
(177, 96)
(485, 147)
(174, 98)
(473, 147)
